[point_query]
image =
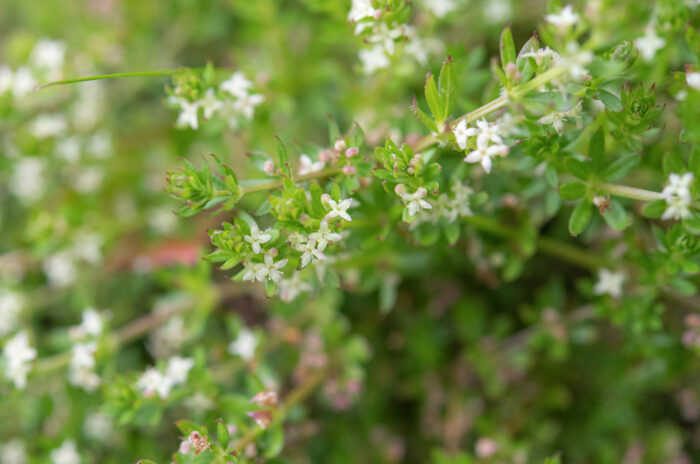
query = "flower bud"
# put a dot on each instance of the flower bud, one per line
(273, 252)
(377, 13)
(325, 156)
(269, 167)
(262, 418)
(349, 169)
(352, 151)
(400, 189)
(266, 399)
(339, 145)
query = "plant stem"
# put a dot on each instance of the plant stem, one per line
(156, 73)
(632, 192)
(279, 182)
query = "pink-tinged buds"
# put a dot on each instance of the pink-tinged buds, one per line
(325, 197)
(349, 170)
(421, 192)
(199, 442)
(486, 447)
(268, 399)
(400, 189)
(339, 145)
(262, 418)
(352, 151)
(273, 252)
(269, 167)
(325, 156)
(377, 13)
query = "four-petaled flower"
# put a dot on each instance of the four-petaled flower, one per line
(564, 19)
(484, 153)
(462, 133)
(337, 209)
(324, 235)
(414, 201)
(309, 251)
(257, 238)
(609, 283)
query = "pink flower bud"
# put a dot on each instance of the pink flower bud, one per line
(262, 418)
(400, 189)
(266, 398)
(422, 192)
(377, 13)
(273, 252)
(325, 197)
(349, 170)
(269, 167)
(486, 447)
(325, 156)
(339, 145)
(352, 151)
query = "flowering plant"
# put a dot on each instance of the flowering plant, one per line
(459, 261)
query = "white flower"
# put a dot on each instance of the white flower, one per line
(48, 54)
(609, 283)
(309, 252)
(13, 452)
(576, 61)
(244, 345)
(27, 182)
(488, 132)
(83, 356)
(246, 104)
(99, 426)
(271, 269)
(91, 324)
(68, 149)
(10, 307)
(87, 247)
(678, 196)
(462, 134)
(48, 125)
(693, 79)
(168, 338)
(564, 19)
(484, 153)
(66, 454)
(291, 288)
(237, 85)
(414, 201)
(210, 104)
(162, 220)
(649, 43)
(5, 78)
(308, 166)
(440, 8)
(497, 11)
(152, 381)
(59, 269)
(251, 271)
(337, 209)
(257, 238)
(373, 59)
(361, 9)
(558, 118)
(18, 356)
(85, 379)
(188, 116)
(324, 235)
(88, 179)
(178, 368)
(24, 82)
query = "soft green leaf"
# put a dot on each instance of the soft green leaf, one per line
(580, 217)
(616, 216)
(572, 190)
(507, 47)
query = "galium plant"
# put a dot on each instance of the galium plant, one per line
(488, 271)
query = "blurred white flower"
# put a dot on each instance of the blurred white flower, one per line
(68, 149)
(693, 80)
(244, 345)
(5, 78)
(91, 325)
(13, 452)
(48, 125)
(308, 166)
(152, 381)
(361, 9)
(609, 283)
(18, 355)
(48, 54)
(23, 82)
(564, 19)
(178, 368)
(60, 269)
(678, 196)
(649, 43)
(66, 454)
(237, 85)
(27, 182)
(291, 288)
(10, 306)
(88, 179)
(373, 59)
(440, 8)
(99, 426)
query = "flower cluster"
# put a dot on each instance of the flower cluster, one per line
(18, 355)
(153, 381)
(232, 101)
(45, 64)
(677, 196)
(447, 206)
(81, 370)
(483, 142)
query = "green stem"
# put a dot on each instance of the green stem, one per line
(278, 183)
(631, 192)
(156, 73)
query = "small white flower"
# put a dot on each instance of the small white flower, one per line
(338, 209)
(237, 85)
(83, 356)
(414, 201)
(484, 153)
(13, 452)
(48, 54)
(462, 134)
(244, 345)
(24, 82)
(59, 269)
(609, 283)
(440, 8)
(85, 379)
(558, 118)
(257, 238)
(18, 356)
(152, 381)
(99, 426)
(678, 196)
(5, 78)
(361, 9)
(10, 307)
(373, 59)
(488, 132)
(576, 61)
(27, 182)
(270, 269)
(251, 270)
(68, 149)
(649, 43)
(210, 104)
(48, 125)
(291, 288)
(564, 19)
(309, 251)
(324, 235)
(693, 80)
(246, 104)
(308, 166)
(188, 116)
(178, 368)
(66, 454)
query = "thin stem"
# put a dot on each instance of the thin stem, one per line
(632, 192)
(278, 183)
(156, 73)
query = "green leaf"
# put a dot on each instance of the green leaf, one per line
(447, 83)
(694, 163)
(655, 209)
(578, 168)
(596, 150)
(507, 48)
(423, 118)
(616, 216)
(572, 190)
(580, 217)
(283, 158)
(452, 231)
(273, 442)
(222, 434)
(550, 173)
(621, 167)
(610, 101)
(673, 163)
(434, 101)
(186, 427)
